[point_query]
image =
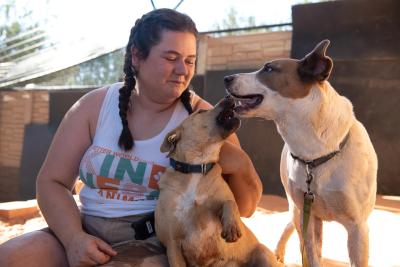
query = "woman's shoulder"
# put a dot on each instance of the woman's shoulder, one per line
(96, 95)
(198, 102)
(93, 100)
(89, 105)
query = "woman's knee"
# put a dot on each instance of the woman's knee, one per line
(37, 248)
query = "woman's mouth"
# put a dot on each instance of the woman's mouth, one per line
(177, 82)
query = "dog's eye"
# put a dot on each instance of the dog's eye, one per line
(268, 68)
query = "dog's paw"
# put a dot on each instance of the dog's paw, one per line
(231, 231)
(280, 258)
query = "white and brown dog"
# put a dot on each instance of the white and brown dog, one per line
(327, 156)
(197, 218)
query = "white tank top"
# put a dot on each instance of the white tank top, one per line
(121, 183)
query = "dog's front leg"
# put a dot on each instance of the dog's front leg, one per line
(175, 256)
(358, 244)
(230, 220)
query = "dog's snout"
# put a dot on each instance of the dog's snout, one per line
(229, 103)
(228, 80)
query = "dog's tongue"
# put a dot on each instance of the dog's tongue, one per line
(245, 102)
(241, 104)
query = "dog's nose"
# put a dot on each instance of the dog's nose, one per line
(229, 102)
(228, 80)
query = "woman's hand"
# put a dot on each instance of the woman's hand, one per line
(87, 250)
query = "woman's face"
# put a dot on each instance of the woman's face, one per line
(167, 71)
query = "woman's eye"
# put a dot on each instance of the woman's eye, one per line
(268, 68)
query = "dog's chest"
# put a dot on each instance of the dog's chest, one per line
(324, 184)
(196, 213)
(190, 199)
(297, 174)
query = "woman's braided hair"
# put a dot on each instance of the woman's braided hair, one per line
(144, 35)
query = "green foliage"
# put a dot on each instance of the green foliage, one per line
(102, 70)
(233, 21)
(13, 42)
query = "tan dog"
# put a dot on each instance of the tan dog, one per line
(197, 218)
(327, 154)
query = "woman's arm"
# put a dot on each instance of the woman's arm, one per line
(56, 179)
(241, 176)
(238, 170)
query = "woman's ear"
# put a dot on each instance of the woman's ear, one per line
(134, 57)
(316, 66)
(170, 141)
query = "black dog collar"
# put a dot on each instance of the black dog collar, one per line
(316, 162)
(191, 168)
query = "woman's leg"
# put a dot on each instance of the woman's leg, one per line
(38, 248)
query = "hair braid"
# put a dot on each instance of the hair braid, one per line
(185, 99)
(125, 139)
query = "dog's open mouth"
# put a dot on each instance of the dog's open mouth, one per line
(246, 102)
(227, 117)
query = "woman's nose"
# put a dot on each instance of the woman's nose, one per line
(181, 68)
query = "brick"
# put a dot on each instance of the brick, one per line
(246, 47)
(218, 60)
(239, 56)
(10, 210)
(222, 50)
(255, 56)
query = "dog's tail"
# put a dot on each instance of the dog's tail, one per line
(281, 246)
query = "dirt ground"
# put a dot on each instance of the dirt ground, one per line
(268, 223)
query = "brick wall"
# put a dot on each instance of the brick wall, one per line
(246, 51)
(17, 109)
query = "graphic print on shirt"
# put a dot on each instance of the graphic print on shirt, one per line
(122, 176)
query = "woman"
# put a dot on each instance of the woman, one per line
(111, 139)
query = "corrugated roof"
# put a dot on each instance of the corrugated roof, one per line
(53, 59)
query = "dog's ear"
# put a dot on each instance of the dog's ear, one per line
(316, 66)
(170, 141)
